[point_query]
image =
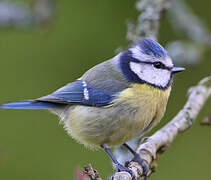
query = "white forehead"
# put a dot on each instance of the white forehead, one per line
(148, 73)
(138, 54)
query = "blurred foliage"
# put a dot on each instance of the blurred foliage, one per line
(22, 15)
(33, 63)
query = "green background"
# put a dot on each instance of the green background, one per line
(33, 63)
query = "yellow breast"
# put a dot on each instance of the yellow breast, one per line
(150, 103)
(145, 93)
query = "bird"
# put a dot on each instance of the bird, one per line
(115, 101)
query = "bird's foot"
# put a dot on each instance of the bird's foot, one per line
(143, 164)
(120, 168)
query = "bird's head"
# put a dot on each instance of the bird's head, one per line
(148, 62)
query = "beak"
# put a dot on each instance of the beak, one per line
(177, 69)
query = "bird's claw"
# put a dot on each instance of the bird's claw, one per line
(143, 164)
(120, 168)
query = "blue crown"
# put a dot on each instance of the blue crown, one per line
(151, 47)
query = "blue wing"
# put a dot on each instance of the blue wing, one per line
(80, 92)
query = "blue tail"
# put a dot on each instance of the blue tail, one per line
(28, 104)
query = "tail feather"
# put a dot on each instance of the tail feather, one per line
(28, 104)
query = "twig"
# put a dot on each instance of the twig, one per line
(206, 121)
(189, 50)
(160, 140)
(185, 21)
(149, 19)
(80, 175)
(91, 173)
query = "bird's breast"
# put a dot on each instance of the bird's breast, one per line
(149, 102)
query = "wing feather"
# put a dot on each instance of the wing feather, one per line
(79, 92)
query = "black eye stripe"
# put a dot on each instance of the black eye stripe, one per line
(152, 63)
(159, 65)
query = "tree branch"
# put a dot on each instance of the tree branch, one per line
(156, 144)
(149, 19)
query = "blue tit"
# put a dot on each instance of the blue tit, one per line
(115, 101)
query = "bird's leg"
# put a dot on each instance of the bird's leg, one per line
(139, 160)
(118, 166)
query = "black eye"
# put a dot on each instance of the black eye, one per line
(158, 65)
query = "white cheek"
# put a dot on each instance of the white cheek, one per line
(146, 72)
(135, 67)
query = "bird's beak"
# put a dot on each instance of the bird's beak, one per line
(177, 69)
